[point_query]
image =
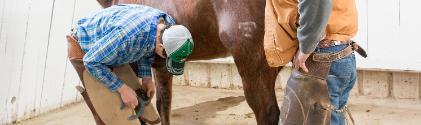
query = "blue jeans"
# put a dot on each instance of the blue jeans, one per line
(341, 79)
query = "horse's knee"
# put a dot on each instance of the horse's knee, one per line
(259, 90)
(265, 108)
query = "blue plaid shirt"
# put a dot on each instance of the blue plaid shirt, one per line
(119, 35)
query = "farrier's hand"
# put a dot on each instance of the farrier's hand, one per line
(300, 60)
(149, 86)
(128, 95)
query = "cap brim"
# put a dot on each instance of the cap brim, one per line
(174, 67)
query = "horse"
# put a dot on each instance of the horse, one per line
(221, 28)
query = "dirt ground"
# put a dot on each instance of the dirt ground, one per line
(207, 106)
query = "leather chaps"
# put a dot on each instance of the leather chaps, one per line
(306, 100)
(75, 55)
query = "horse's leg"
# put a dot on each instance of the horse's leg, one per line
(163, 82)
(257, 77)
(258, 84)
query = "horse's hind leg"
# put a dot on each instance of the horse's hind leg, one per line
(258, 84)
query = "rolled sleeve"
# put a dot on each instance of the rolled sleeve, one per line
(314, 15)
(103, 74)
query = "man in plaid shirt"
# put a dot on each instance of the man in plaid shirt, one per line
(123, 34)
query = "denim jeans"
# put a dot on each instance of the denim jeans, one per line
(341, 79)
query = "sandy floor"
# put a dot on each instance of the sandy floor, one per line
(202, 106)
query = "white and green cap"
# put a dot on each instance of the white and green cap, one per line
(178, 44)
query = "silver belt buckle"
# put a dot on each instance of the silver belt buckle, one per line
(336, 42)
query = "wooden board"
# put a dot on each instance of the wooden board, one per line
(15, 45)
(58, 85)
(391, 30)
(56, 58)
(34, 63)
(81, 8)
(4, 91)
(409, 32)
(35, 57)
(362, 36)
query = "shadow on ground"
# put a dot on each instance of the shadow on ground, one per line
(199, 113)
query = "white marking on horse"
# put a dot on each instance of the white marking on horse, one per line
(247, 28)
(225, 22)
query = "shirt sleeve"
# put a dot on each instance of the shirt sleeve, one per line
(314, 15)
(144, 66)
(104, 54)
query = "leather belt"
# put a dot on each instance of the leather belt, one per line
(330, 43)
(329, 57)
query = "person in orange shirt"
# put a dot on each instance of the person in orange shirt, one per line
(327, 26)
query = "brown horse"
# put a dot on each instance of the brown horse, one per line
(221, 28)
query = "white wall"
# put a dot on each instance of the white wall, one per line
(390, 32)
(35, 75)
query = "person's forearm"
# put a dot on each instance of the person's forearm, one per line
(314, 15)
(104, 75)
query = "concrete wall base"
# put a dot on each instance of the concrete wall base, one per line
(371, 83)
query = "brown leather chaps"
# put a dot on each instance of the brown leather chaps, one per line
(75, 55)
(306, 99)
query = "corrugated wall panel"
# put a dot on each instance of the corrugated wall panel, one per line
(16, 33)
(34, 57)
(55, 67)
(81, 8)
(68, 93)
(362, 36)
(35, 74)
(4, 90)
(408, 46)
(392, 35)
